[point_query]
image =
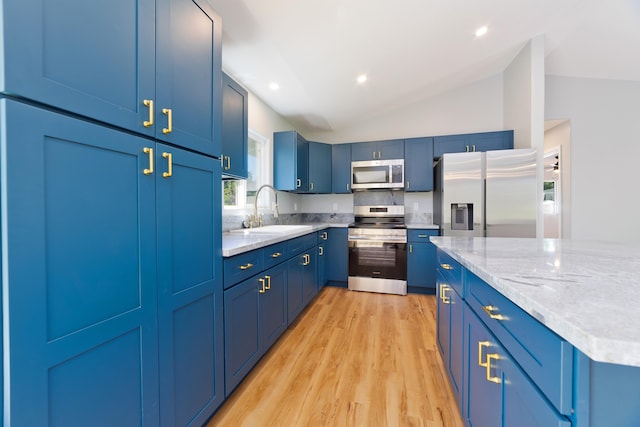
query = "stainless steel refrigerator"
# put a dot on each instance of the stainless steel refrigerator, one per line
(492, 194)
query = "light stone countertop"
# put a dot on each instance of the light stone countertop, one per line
(586, 292)
(237, 243)
(423, 226)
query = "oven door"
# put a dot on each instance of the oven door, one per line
(378, 259)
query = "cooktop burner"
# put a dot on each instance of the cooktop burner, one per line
(391, 216)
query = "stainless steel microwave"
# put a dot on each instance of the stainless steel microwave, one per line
(377, 174)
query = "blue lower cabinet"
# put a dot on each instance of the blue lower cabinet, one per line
(79, 273)
(421, 261)
(309, 276)
(322, 265)
(302, 282)
(273, 306)
(337, 256)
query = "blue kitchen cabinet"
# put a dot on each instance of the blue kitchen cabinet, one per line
(290, 162)
(189, 285)
(337, 262)
(302, 276)
(273, 306)
(421, 261)
(418, 164)
(341, 168)
(235, 129)
(310, 276)
(378, 150)
(80, 277)
(322, 265)
(319, 168)
(483, 141)
(152, 67)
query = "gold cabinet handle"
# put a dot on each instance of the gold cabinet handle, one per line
(320, 250)
(408, 184)
(298, 183)
(149, 151)
(491, 357)
(169, 171)
(276, 255)
(169, 113)
(481, 345)
(246, 266)
(148, 103)
(262, 288)
(443, 291)
(307, 259)
(324, 236)
(410, 248)
(228, 166)
(374, 155)
(311, 186)
(423, 236)
(446, 266)
(474, 147)
(489, 309)
(268, 282)
(379, 155)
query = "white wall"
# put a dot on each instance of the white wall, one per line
(605, 148)
(559, 138)
(473, 108)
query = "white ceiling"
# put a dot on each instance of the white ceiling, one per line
(411, 50)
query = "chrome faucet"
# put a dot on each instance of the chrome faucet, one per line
(257, 219)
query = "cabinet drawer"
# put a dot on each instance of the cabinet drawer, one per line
(323, 236)
(451, 271)
(543, 355)
(275, 254)
(420, 235)
(302, 243)
(242, 266)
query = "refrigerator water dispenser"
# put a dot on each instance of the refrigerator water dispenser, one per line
(462, 216)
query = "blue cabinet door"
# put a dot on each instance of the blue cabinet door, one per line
(421, 259)
(79, 253)
(241, 331)
(309, 276)
(319, 168)
(290, 162)
(341, 168)
(487, 141)
(337, 263)
(418, 164)
(189, 75)
(100, 66)
(294, 287)
(273, 306)
(378, 150)
(450, 144)
(364, 151)
(322, 265)
(235, 129)
(189, 285)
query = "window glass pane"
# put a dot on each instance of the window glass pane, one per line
(241, 193)
(255, 154)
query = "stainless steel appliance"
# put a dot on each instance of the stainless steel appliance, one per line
(378, 250)
(491, 194)
(377, 174)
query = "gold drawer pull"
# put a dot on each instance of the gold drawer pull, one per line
(443, 294)
(169, 171)
(148, 151)
(246, 266)
(324, 236)
(169, 113)
(148, 103)
(268, 282)
(262, 288)
(491, 357)
(276, 255)
(481, 345)
(446, 266)
(489, 309)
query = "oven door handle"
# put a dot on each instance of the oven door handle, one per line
(375, 240)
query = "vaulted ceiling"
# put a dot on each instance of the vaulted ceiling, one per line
(410, 50)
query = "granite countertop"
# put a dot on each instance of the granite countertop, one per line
(237, 243)
(423, 226)
(586, 292)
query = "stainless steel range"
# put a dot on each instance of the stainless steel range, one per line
(378, 250)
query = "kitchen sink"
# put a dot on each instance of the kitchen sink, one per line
(273, 229)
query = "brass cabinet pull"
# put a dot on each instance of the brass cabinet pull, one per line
(148, 103)
(446, 266)
(489, 309)
(347, 187)
(324, 236)
(262, 288)
(379, 155)
(307, 259)
(410, 248)
(481, 345)
(311, 186)
(268, 282)
(474, 147)
(228, 167)
(320, 250)
(374, 155)
(169, 171)
(298, 183)
(276, 255)
(169, 113)
(246, 266)
(408, 184)
(422, 236)
(491, 357)
(149, 151)
(443, 297)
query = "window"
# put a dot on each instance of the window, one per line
(238, 194)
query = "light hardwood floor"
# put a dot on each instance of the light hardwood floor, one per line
(351, 359)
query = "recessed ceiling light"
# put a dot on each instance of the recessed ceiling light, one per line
(481, 31)
(274, 86)
(362, 78)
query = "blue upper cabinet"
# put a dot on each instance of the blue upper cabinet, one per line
(484, 141)
(319, 168)
(235, 128)
(378, 150)
(299, 165)
(418, 164)
(125, 63)
(341, 168)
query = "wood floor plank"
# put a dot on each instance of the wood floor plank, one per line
(351, 359)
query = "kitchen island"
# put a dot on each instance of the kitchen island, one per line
(566, 317)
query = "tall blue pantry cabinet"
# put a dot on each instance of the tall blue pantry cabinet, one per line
(110, 212)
